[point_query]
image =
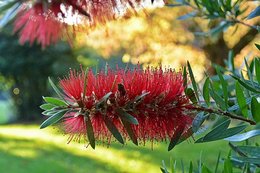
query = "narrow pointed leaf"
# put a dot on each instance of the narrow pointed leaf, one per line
(213, 136)
(250, 151)
(53, 119)
(257, 69)
(54, 101)
(231, 65)
(218, 99)
(50, 112)
(56, 89)
(255, 109)
(206, 95)
(138, 98)
(254, 13)
(175, 138)
(247, 160)
(224, 86)
(103, 99)
(127, 117)
(90, 132)
(246, 85)
(191, 95)
(112, 128)
(184, 76)
(198, 120)
(241, 100)
(249, 73)
(47, 106)
(7, 5)
(194, 84)
(243, 136)
(215, 131)
(10, 14)
(130, 131)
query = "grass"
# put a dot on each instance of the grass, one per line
(26, 148)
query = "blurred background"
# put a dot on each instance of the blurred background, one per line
(154, 37)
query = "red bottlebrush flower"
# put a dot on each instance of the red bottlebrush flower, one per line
(38, 24)
(155, 98)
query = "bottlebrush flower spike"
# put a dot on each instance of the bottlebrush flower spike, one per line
(37, 24)
(45, 21)
(146, 105)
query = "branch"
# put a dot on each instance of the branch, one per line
(245, 40)
(223, 113)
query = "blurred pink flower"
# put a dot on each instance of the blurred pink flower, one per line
(36, 24)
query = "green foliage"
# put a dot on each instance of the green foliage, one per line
(225, 12)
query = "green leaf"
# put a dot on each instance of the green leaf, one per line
(249, 73)
(10, 14)
(218, 99)
(243, 136)
(254, 13)
(140, 97)
(185, 135)
(103, 99)
(184, 76)
(197, 121)
(231, 65)
(47, 106)
(7, 5)
(228, 166)
(127, 117)
(191, 95)
(247, 160)
(257, 69)
(220, 128)
(219, 28)
(112, 128)
(206, 95)
(250, 151)
(129, 131)
(241, 100)
(255, 109)
(194, 84)
(56, 89)
(50, 112)
(217, 134)
(224, 87)
(54, 101)
(53, 119)
(246, 85)
(175, 138)
(236, 106)
(90, 132)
